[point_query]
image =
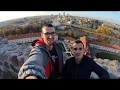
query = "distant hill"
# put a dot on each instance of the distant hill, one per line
(30, 18)
(5, 23)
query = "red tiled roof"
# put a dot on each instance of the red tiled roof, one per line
(104, 44)
(23, 36)
(84, 40)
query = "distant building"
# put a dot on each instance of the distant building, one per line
(107, 47)
(85, 41)
(56, 24)
(64, 14)
(69, 39)
(24, 38)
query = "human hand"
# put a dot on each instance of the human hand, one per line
(31, 77)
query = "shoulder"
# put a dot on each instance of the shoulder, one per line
(88, 59)
(70, 60)
(58, 44)
(38, 48)
(34, 42)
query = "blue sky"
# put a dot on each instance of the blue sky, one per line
(112, 16)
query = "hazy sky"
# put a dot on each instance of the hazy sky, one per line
(112, 16)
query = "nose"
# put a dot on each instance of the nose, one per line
(78, 51)
(50, 36)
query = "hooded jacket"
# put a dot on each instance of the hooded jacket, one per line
(39, 63)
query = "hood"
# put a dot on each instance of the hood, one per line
(40, 41)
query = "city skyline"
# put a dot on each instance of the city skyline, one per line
(110, 16)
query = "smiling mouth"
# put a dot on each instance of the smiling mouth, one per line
(77, 55)
(50, 39)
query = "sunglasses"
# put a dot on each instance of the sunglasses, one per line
(77, 49)
(49, 33)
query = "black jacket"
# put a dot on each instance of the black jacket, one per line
(83, 70)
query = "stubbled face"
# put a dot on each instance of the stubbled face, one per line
(78, 50)
(48, 35)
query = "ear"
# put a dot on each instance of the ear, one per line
(41, 35)
(85, 50)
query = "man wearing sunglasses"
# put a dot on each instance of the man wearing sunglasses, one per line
(46, 58)
(81, 66)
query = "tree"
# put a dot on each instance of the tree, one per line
(103, 30)
(75, 34)
(18, 31)
(25, 29)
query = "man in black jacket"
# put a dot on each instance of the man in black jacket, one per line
(81, 66)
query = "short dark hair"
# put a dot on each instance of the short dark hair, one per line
(79, 41)
(47, 25)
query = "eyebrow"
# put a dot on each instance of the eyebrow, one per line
(50, 32)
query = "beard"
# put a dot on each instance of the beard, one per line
(51, 42)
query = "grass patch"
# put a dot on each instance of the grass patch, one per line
(109, 56)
